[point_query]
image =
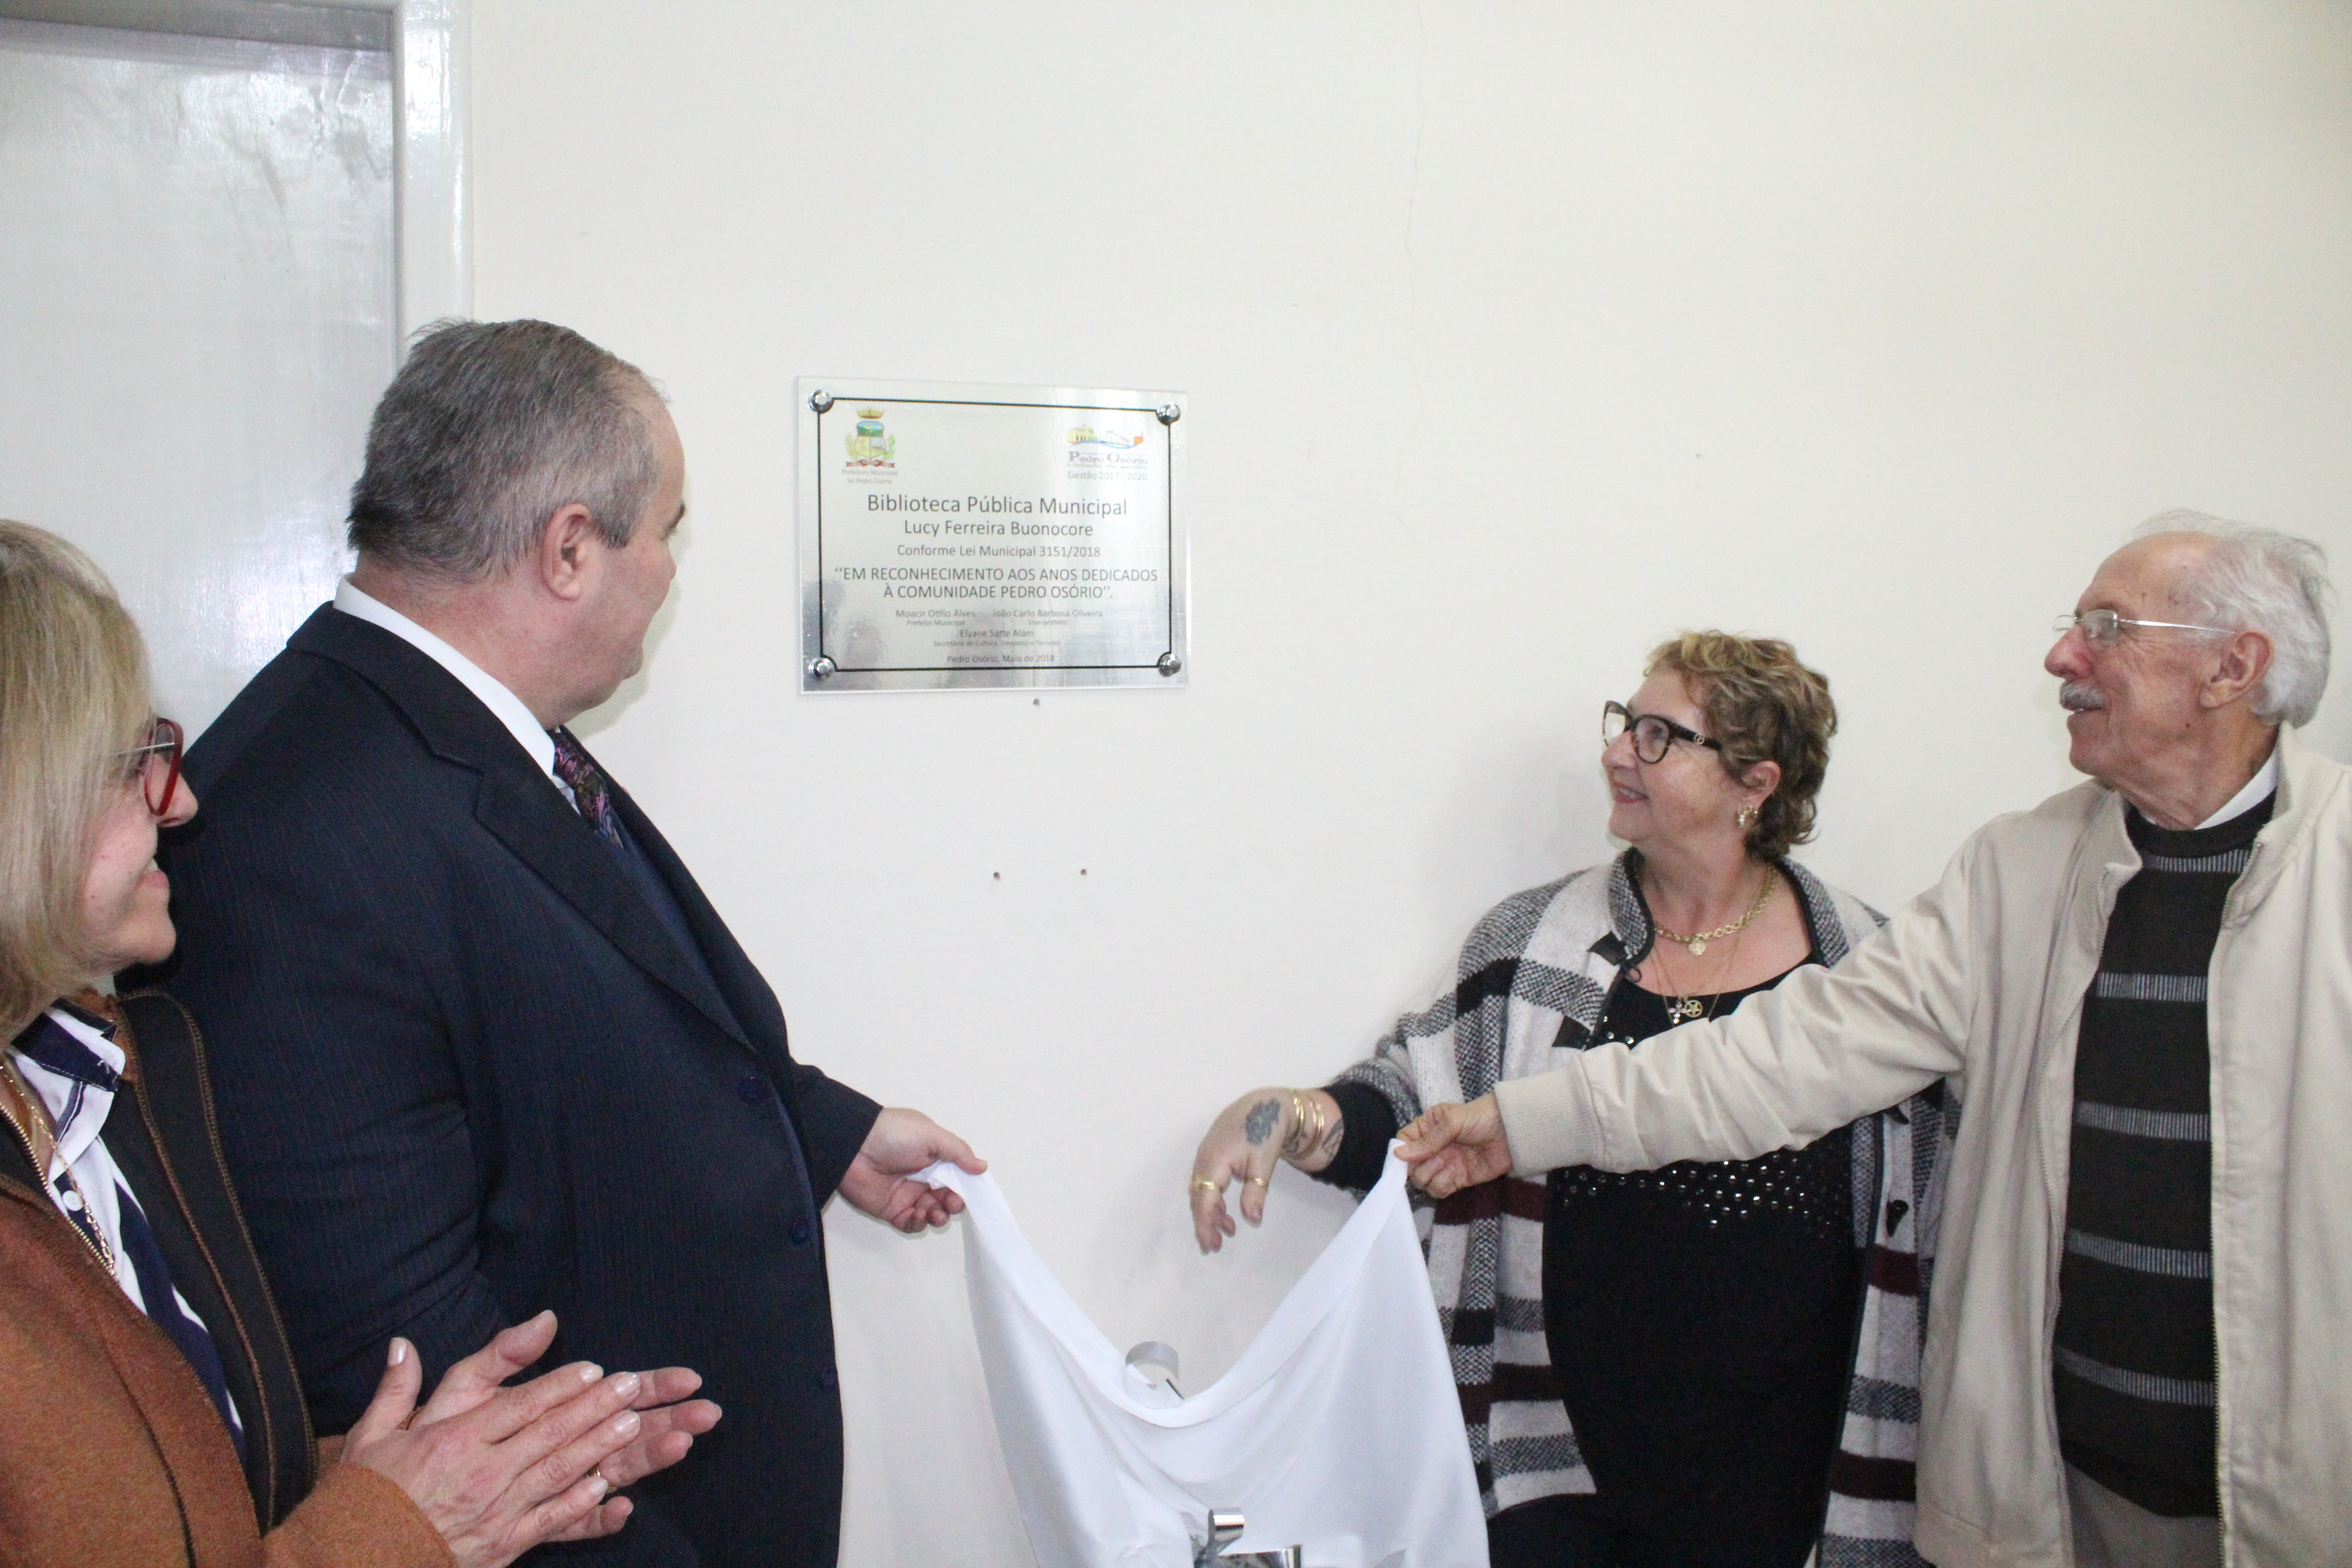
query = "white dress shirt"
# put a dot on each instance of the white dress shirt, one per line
(503, 704)
(2259, 788)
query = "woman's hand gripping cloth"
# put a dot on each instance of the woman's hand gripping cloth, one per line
(1337, 1430)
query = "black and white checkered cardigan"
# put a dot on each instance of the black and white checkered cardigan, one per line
(1532, 982)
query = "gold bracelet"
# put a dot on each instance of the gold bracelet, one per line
(1303, 1139)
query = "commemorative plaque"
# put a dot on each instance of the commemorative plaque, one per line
(990, 536)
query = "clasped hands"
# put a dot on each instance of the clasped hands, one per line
(497, 1470)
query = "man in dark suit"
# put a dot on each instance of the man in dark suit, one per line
(480, 1044)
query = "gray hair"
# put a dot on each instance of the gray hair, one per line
(488, 430)
(2260, 580)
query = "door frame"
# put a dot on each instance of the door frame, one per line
(433, 261)
(433, 253)
(432, 244)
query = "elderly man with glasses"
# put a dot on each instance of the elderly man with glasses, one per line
(2140, 1329)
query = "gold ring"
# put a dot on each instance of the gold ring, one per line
(1203, 1185)
(1253, 1181)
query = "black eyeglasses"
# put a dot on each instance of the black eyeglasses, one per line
(155, 763)
(1652, 732)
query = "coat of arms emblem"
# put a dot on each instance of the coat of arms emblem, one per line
(868, 443)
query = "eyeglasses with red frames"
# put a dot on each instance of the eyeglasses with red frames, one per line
(155, 763)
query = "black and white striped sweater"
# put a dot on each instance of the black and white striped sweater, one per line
(2133, 1364)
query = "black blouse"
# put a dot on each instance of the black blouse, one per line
(1700, 1317)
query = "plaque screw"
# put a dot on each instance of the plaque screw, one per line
(1169, 664)
(1168, 413)
(821, 400)
(820, 668)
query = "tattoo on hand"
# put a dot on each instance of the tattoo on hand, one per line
(1259, 1125)
(1333, 1136)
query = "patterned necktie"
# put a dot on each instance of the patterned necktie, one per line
(581, 774)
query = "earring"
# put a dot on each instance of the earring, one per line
(1746, 817)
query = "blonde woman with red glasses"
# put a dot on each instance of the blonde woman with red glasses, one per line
(150, 1416)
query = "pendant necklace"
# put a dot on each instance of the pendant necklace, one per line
(1681, 1008)
(1696, 941)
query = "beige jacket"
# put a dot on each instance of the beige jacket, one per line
(1982, 977)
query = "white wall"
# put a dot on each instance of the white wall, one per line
(1516, 336)
(195, 317)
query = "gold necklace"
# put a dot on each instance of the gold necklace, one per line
(1696, 941)
(1681, 1008)
(87, 1225)
(28, 1105)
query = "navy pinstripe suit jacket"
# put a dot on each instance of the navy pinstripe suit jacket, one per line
(464, 1073)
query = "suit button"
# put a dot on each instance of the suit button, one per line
(830, 1378)
(799, 1232)
(751, 1088)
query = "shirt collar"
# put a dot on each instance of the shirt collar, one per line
(76, 1069)
(503, 704)
(97, 1021)
(2258, 789)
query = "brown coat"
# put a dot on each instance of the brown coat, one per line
(111, 1455)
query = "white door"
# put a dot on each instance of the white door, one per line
(197, 315)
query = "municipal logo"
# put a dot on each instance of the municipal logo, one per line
(869, 445)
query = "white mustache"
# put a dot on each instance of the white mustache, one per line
(2081, 697)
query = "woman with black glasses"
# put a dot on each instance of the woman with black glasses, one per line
(1711, 1364)
(149, 1415)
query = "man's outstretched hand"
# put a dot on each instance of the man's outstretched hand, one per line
(901, 1143)
(1451, 1147)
